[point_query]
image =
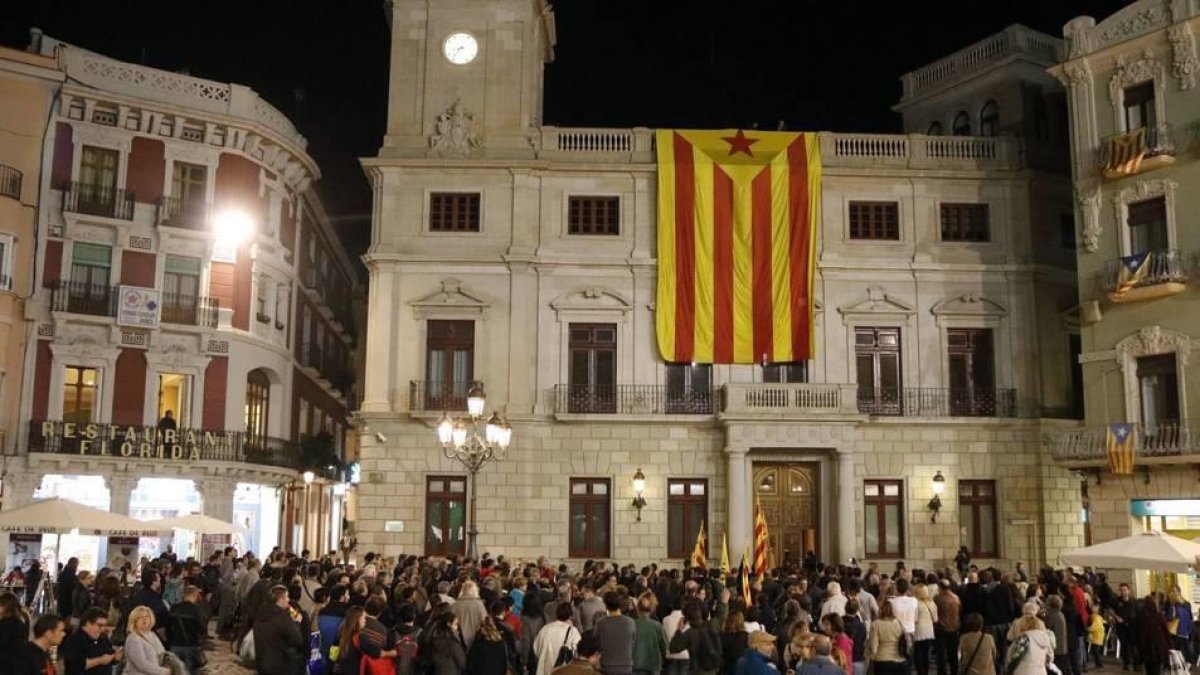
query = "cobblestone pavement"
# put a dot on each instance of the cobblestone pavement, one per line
(222, 660)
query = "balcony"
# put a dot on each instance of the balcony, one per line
(428, 395)
(632, 399)
(938, 402)
(83, 298)
(788, 399)
(1159, 274)
(10, 182)
(1016, 40)
(150, 443)
(187, 214)
(1137, 151)
(190, 310)
(1083, 447)
(98, 200)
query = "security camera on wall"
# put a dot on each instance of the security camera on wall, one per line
(380, 437)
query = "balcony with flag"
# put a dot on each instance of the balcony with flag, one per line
(1145, 276)
(1123, 447)
(1138, 151)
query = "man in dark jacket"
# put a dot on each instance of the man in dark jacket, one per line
(150, 595)
(48, 632)
(700, 638)
(278, 638)
(187, 628)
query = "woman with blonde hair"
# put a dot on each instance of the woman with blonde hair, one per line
(488, 654)
(885, 643)
(800, 645)
(1032, 650)
(143, 649)
(923, 636)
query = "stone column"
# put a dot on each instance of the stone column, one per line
(19, 487)
(847, 532)
(217, 497)
(120, 490)
(739, 501)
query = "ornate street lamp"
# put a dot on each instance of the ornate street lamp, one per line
(935, 504)
(639, 489)
(461, 439)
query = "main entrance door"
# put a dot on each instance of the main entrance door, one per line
(790, 499)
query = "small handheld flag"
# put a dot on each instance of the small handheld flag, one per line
(699, 555)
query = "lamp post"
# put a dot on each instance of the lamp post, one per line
(461, 440)
(639, 489)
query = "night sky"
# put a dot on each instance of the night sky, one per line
(702, 63)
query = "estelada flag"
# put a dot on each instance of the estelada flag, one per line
(737, 223)
(1120, 448)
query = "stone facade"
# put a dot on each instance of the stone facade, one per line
(523, 279)
(1147, 47)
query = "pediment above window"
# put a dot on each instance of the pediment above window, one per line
(1151, 340)
(878, 304)
(969, 306)
(451, 301)
(592, 299)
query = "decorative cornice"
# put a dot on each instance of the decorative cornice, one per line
(1185, 65)
(1155, 339)
(1128, 72)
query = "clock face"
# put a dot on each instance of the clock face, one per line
(460, 48)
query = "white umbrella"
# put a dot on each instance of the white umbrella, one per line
(62, 516)
(198, 523)
(1149, 551)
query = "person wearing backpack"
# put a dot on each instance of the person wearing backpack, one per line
(701, 638)
(407, 635)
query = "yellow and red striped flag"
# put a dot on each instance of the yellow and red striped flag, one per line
(1125, 153)
(737, 223)
(1120, 448)
(760, 541)
(744, 575)
(699, 553)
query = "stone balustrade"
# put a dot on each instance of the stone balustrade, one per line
(770, 398)
(912, 151)
(1088, 446)
(1014, 40)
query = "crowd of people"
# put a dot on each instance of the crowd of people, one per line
(290, 615)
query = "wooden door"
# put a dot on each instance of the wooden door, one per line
(789, 493)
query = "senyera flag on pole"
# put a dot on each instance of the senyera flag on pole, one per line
(737, 222)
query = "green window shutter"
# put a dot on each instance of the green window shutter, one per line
(93, 255)
(182, 265)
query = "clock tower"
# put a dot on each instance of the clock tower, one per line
(466, 77)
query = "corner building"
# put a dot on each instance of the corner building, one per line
(184, 266)
(523, 256)
(1131, 82)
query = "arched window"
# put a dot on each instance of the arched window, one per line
(258, 406)
(935, 129)
(989, 119)
(962, 124)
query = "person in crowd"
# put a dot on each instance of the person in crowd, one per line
(835, 603)
(799, 646)
(701, 638)
(34, 656)
(87, 651)
(188, 628)
(33, 579)
(14, 628)
(1056, 623)
(279, 642)
(650, 639)
(822, 661)
(449, 650)
(923, 634)
(470, 611)
(81, 597)
(1032, 649)
(735, 639)
(489, 653)
(587, 658)
(833, 627)
(946, 628)
(554, 637)
(348, 655)
(759, 657)
(1123, 614)
(976, 649)
(616, 633)
(676, 662)
(1096, 640)
(885, 643)
(856, 628)
(143, 648)
(1181, 621)
(1151, 636)
(65, 588)
(590, 608)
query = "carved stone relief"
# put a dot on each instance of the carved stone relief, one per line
(1183, 48)
(1089, 207)
(1132, 72)
(1150, 340)
(454, 134)
(1138, 23)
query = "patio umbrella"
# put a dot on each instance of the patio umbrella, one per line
(63, 516)
(198, 523)
(1148, 551)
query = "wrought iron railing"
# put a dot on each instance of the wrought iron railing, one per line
(1090, 444)
(1159, 267)
(98, 200)
(155, 444)
(82, 298)
(188, 214)
(1117, 148)
(938, 402)
(437, 395)
(633, 399)
(10, 181)
(190, 310)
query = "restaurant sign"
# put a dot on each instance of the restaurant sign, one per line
(111, 440)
